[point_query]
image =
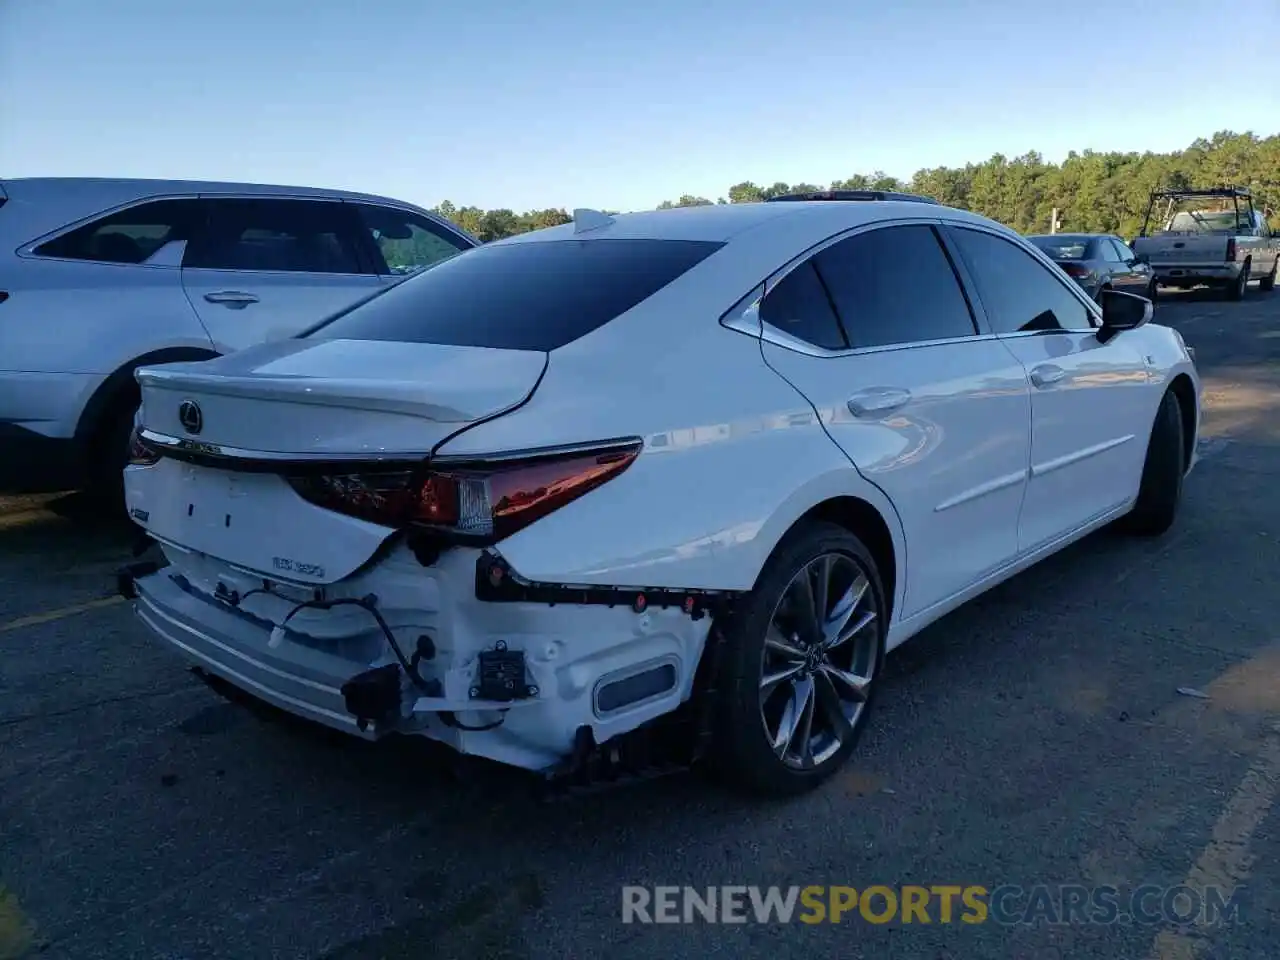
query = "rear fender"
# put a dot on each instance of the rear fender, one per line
(644, 529)
(119, 387)
(733, 456)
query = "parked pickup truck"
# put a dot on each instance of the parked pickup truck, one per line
(1212, 237)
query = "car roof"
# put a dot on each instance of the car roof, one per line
(1066, 236)
(723, 222)
(40, 205)
(126, 188)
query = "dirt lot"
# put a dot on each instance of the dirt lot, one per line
(1037, 736)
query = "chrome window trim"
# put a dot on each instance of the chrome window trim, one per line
(746, 319)
(27, 250)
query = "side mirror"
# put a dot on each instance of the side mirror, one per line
(1122, 311)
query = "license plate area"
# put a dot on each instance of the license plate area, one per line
(254, 522)
(208, 498)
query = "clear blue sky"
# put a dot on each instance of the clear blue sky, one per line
(612, 103)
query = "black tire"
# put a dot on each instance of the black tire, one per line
(1268, 283)
(743, 752)
(1160, 491)
(1240, 285)
(1153, 290)
(110, 455)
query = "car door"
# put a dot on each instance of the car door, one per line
(265, 268)
(1268, 250)
(1090, 410)
(1111, 268)
(875, 330)
(1130, 276)
(405, 241)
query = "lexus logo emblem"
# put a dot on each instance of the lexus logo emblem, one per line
(190, 417)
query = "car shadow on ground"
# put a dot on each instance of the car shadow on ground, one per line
(81, 514)
(1205, 295)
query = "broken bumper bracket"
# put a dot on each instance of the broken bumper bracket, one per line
(497, 582)
(373, 697)
(127, 575)
(673, 743)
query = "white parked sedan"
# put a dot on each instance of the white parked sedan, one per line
(647, 487)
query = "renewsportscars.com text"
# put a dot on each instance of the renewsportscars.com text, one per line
(937, 903)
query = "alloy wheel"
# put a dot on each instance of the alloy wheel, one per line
(819, 660)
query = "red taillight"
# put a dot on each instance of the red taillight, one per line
(480, 501)
(1075, 269)
(1231, 249)
(141, 454)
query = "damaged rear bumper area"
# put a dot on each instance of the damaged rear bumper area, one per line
(569, 682)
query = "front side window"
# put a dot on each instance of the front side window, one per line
(1017, 290)
(536, 295)
(129, 236)
(895, 285)
(296, 236)
(407, 241)
(1109, 251)
(1126, 252)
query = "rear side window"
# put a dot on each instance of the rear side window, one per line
(520, 296)
(295, 236)
(895, 285)
(799, 306)
(129, 236)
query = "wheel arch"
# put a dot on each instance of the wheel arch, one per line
(1184, 390)
(865, 522)
(862, 509)
(119, 387)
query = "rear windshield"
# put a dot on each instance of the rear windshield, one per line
(520, 296)
(1063, 248)
(1208, 221)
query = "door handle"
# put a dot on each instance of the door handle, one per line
(877, 400)
(235, 299)
(1047, 375)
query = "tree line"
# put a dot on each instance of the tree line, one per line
(1093, 192)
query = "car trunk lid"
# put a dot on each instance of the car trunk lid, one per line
(232, 430)
(346, 398)
(1175, 248)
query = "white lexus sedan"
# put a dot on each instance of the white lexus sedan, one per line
(643, 489)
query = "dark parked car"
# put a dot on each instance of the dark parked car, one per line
(1099, 261)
